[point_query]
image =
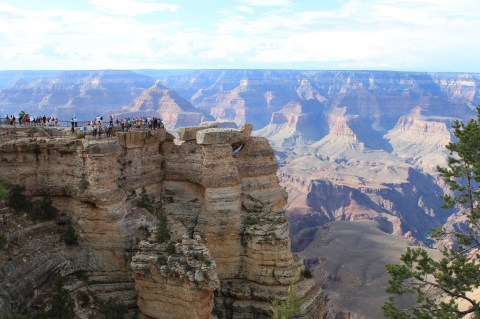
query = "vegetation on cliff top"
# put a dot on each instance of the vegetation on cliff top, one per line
(440, 286)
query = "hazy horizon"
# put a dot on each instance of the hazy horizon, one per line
(233, 69)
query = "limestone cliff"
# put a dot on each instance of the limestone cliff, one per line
(229, 255)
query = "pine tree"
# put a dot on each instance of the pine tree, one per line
(62, 303)
(439, 285)
(287, 308)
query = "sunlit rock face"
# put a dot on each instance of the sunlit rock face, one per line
(231, 252)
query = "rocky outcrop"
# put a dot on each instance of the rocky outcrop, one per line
(233, 201)
(229, 253)
(421, 140)
(179, 285)
(189, 133)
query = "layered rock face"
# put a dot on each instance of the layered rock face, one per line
(229, 254)
(107, 225)
(233, 202)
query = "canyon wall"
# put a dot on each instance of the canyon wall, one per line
(229, 254)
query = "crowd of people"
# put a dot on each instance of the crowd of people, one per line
(96, 128)
(25, 119)
(124, 123)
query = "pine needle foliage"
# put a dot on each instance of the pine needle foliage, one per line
(288, 308)
(439, 286)
(62, 304)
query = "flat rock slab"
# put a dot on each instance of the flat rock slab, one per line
(189, 133)
(220, 136)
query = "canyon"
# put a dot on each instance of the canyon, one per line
(350, 145)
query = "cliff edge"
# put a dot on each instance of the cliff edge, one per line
(229, 253)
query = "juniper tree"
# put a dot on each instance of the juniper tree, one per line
(438, 286)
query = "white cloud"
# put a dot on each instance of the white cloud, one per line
(379, 34)
(69, 39)
(422, 34)
(245, 9)
(132, 7)
(267, 3)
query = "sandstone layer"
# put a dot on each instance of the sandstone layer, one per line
(231, 252)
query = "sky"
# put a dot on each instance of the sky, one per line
(402, 35)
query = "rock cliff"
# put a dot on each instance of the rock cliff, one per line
(229, 254)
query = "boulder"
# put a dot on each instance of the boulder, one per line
(189, 133)
(247, 130)
(220, 136)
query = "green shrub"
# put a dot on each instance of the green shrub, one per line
(81, 275)
(17, 200)
(43, 210)
(3, 186)
(80, 135)
(199, 257)
(62, 304)
(70, 237)
(163, 234)
(146, 201)
(170, 248)
(83, 298)
(287, 308)
(3, 240)
(83, 184)
(114, 308)
(162, 260)
(307, 273)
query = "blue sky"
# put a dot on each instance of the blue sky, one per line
(421, 35)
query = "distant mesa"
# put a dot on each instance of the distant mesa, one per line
(159, 101)
(68, 93)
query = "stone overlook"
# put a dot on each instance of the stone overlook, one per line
(229, 254)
